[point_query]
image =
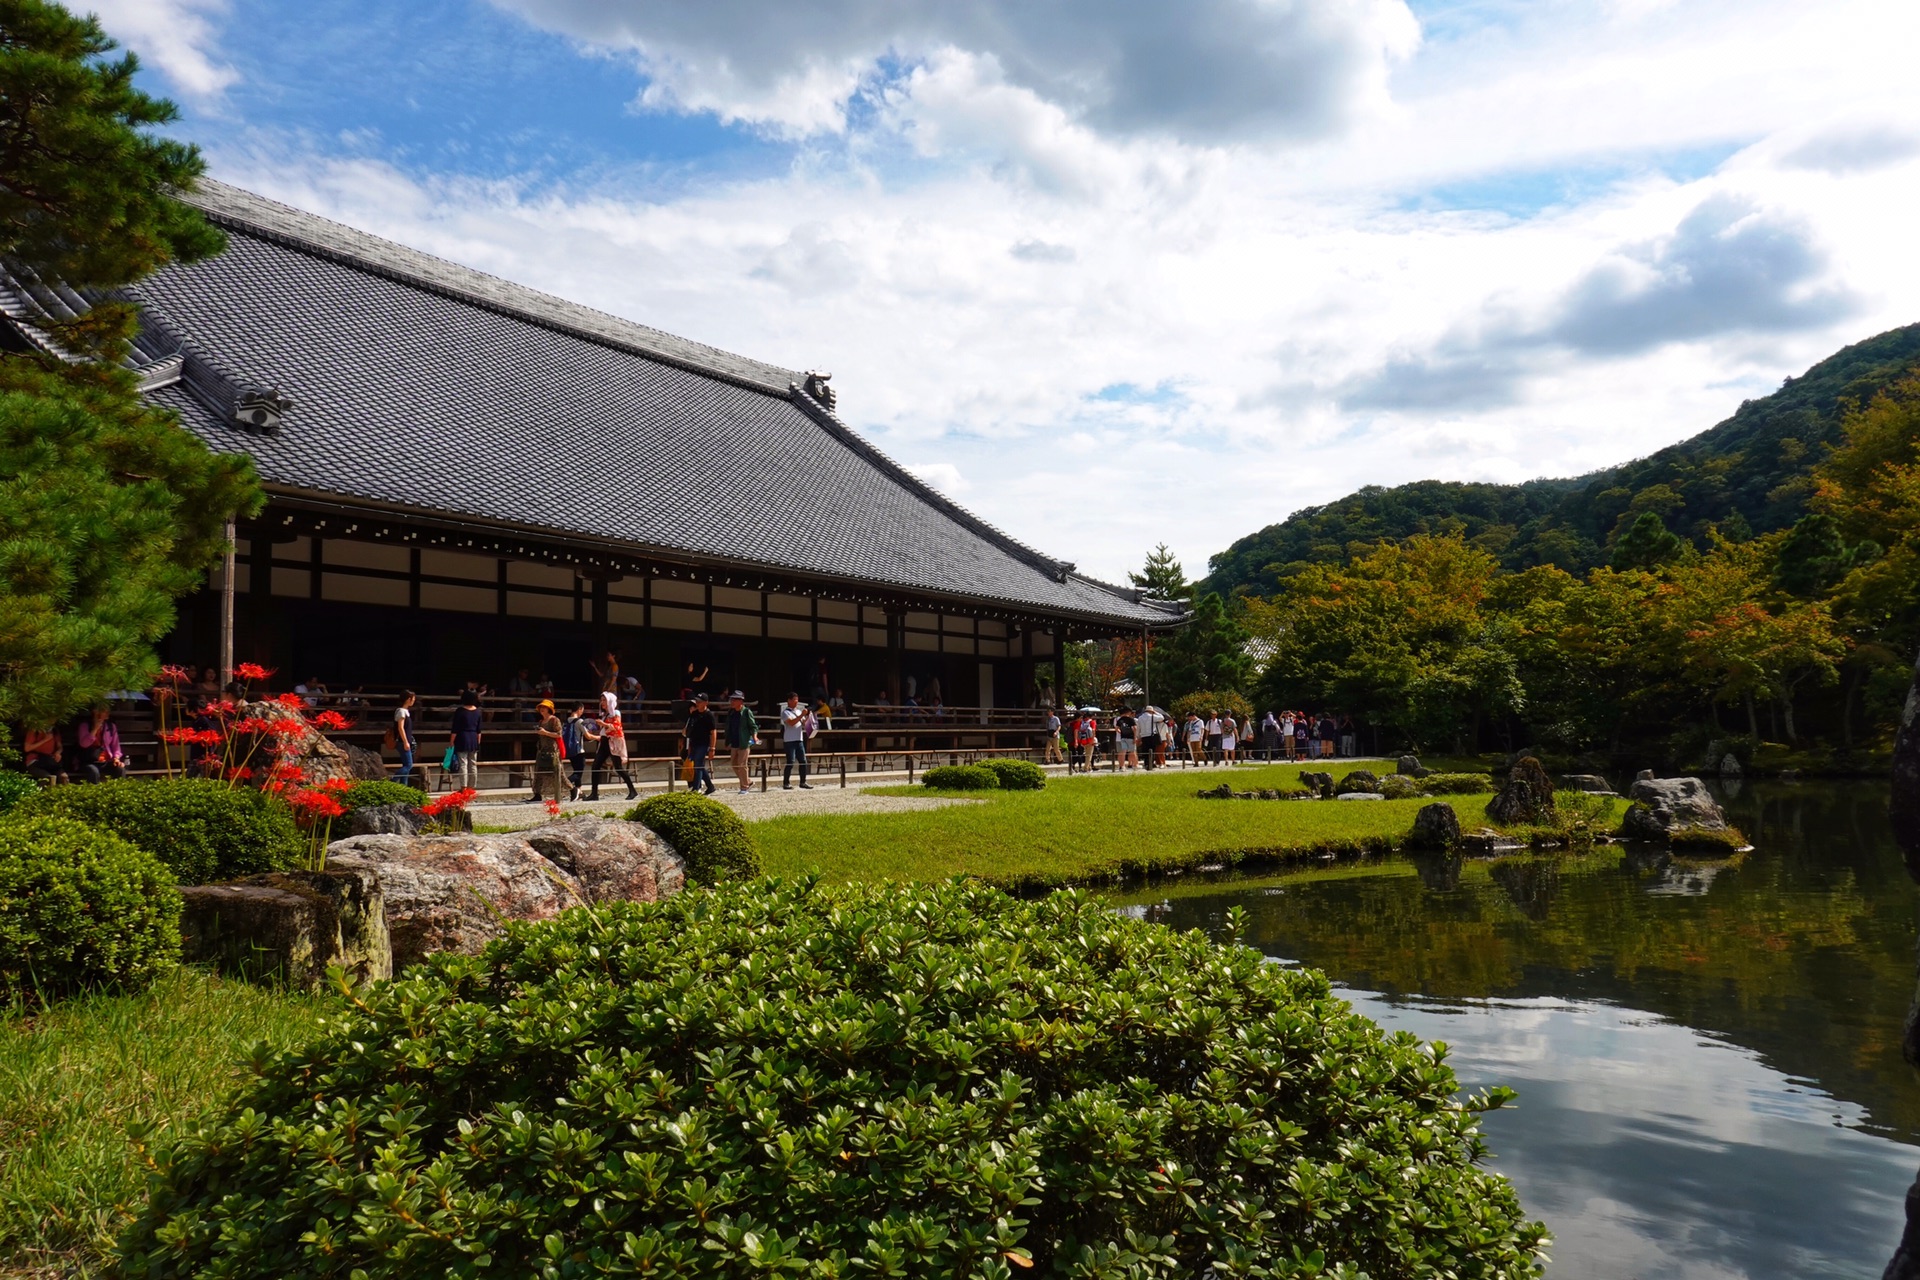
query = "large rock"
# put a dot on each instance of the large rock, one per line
(457, 892)
(362, 764)
(1408, 766)
(386, 820)
(290, 926)
(319, 757)
(1526, 799)
(1358, 780)
(1436, 826)
(1667, 810)
(1321, 784)
(1730, 766)
(1591, 783)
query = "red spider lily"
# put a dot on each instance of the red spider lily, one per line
(193, 737)
(284, 772)
(253, 724)
(337, 786)
(553, 808)
(239, 774)
(312, 806)
(286, 729)
(253, 671)
(454, 800)
(332, 720)
(176, 675)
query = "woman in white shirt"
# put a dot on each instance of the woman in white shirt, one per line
(1196, 737)
(1228, 741)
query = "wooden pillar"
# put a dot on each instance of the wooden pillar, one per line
(896, 643)
(1059, 666)
(226, 611)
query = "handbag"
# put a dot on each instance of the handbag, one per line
(446, 761)
(686, 769)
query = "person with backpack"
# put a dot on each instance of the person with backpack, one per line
(1086, 739)
(743, 731)
(465, 741)
(701, 736)
(795, 728)
(1126, 754)
(580, 736)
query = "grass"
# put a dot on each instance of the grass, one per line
(1091, 830)
(73, 1076)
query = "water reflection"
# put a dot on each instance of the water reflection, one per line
(1707, 1053)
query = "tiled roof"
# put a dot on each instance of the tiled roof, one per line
(421, 384)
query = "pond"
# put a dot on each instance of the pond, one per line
(1707, 1055)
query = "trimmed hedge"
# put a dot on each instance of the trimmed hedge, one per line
(81, 908)
(779, 1078)
(368, 793)
(15, 787)
(1017, 775)
(206, 831)
(1457, 784)
(961, 777)
(715, 843)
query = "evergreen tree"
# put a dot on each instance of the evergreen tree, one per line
(1210, 652)
(1647, 544)
(1163, 578)
(108, 510)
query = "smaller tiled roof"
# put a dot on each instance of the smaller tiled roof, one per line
(425, 385)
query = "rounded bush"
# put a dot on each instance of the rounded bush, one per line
(926, 1080)
(1456, 784)
(1397, 787)
(81, 908)
(961, 777)
(1017, 775)
(15, 787)
(206, 831)
(715, 843)
(368, 793)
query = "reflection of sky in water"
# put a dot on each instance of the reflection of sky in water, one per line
(1650, 1150)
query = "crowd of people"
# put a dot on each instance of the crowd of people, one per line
(1150, 738)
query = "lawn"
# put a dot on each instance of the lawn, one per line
(1085, 830)
(72, 1077)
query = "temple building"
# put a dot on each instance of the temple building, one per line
(468, 479)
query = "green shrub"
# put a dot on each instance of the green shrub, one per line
(1397, 787)
(961, 777)
(81, 908)
(1456, 784)
(780, 1078)
(206, 831)
(366, 794)
(1209, 702)
(15, 787)
(1017, 775)
(715, 843)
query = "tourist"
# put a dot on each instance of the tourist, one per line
(44, 758)
(550, 758)
(1214, 728)
(521, 687)
(580, 736)
(1286, 734)
(1329, 732)
(611, 756)
(1196, 736)
(1050, 743)
(609, 675)
(689, 679)
(794, 722)
(1301, 742)
(1126, 755)
(403, 740)
(1349, 738)
(1270, 737)
(633, 693)
(100, 753)
(743, 730)
(822, 686)
(837, 704)
(207, 690)
(701, 736)
(464, 738)
(310, 690)
(1229, 738)
(1152, 726)
(1086, 739)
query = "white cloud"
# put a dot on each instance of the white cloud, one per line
(943, 476)
(176, 37)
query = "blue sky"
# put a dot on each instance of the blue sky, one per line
(1114, 274)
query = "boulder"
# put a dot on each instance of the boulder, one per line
(1408, 766)
(385, 820)
(1360, 795)
(1319, 783)
(1358, 780)
(1591, 783)
(318, 756)
(1222, 792)
(458, 892)
(1526, 799)
(1730, 766)
(362, 764)
(289, 926)
(1436, 826)
(1674, 810)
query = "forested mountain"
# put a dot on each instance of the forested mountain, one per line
(1750, 474)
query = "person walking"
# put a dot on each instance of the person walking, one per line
(743, 730)
(1126, 752)
(464, 738)
(1286, 734)
(1086, 739)
(1301, 741)
(1196, 737)
(403, 739)
(702, 736)
(1151, 725)
(1329, 735)
(794, 718)
(1213, 737)
(549, 759)
(580, 736)
(1054, 755)
(611, 756)
(1229, 738)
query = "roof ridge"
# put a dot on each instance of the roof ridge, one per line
(237, 208)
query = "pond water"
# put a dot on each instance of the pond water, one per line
(1707, 1055)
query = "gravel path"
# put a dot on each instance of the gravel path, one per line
(753, 806)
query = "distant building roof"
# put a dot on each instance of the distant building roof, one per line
(419, 384)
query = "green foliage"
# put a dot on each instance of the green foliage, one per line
(1456, 784)
(1211, 702)
(15, 787)
(1751, 474)
(1162, 578)
(206, 831)
(1017, 775)
(961, 777)
(916, 1081)
(81, 908)
(1647, 544)
(715, 843)
(1210, 652)
(1398, 787)
(368, 793)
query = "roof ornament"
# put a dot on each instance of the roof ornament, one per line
(260, 409)
(816, 386)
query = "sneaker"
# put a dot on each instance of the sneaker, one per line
(633, 793)
(709, 790)
(746, 791)
(786, 786)
(806, 786)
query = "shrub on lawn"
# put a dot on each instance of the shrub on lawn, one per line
(961, 777)
(711, 837)
(206, 831)
(1456, 784)
(929, 1080)
(368, 793)
(15, 787)
(1017, 775)
(1399, 787)
(81, 908)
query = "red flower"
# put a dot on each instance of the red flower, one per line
(292, 701)
(193, 737)
(332, 720)
(253, 724)
(240, 774)
(455, 800)
(176, 675)
(252, 671)
(553, 808)
(337, 786)
(311, 806)
(283, 772)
